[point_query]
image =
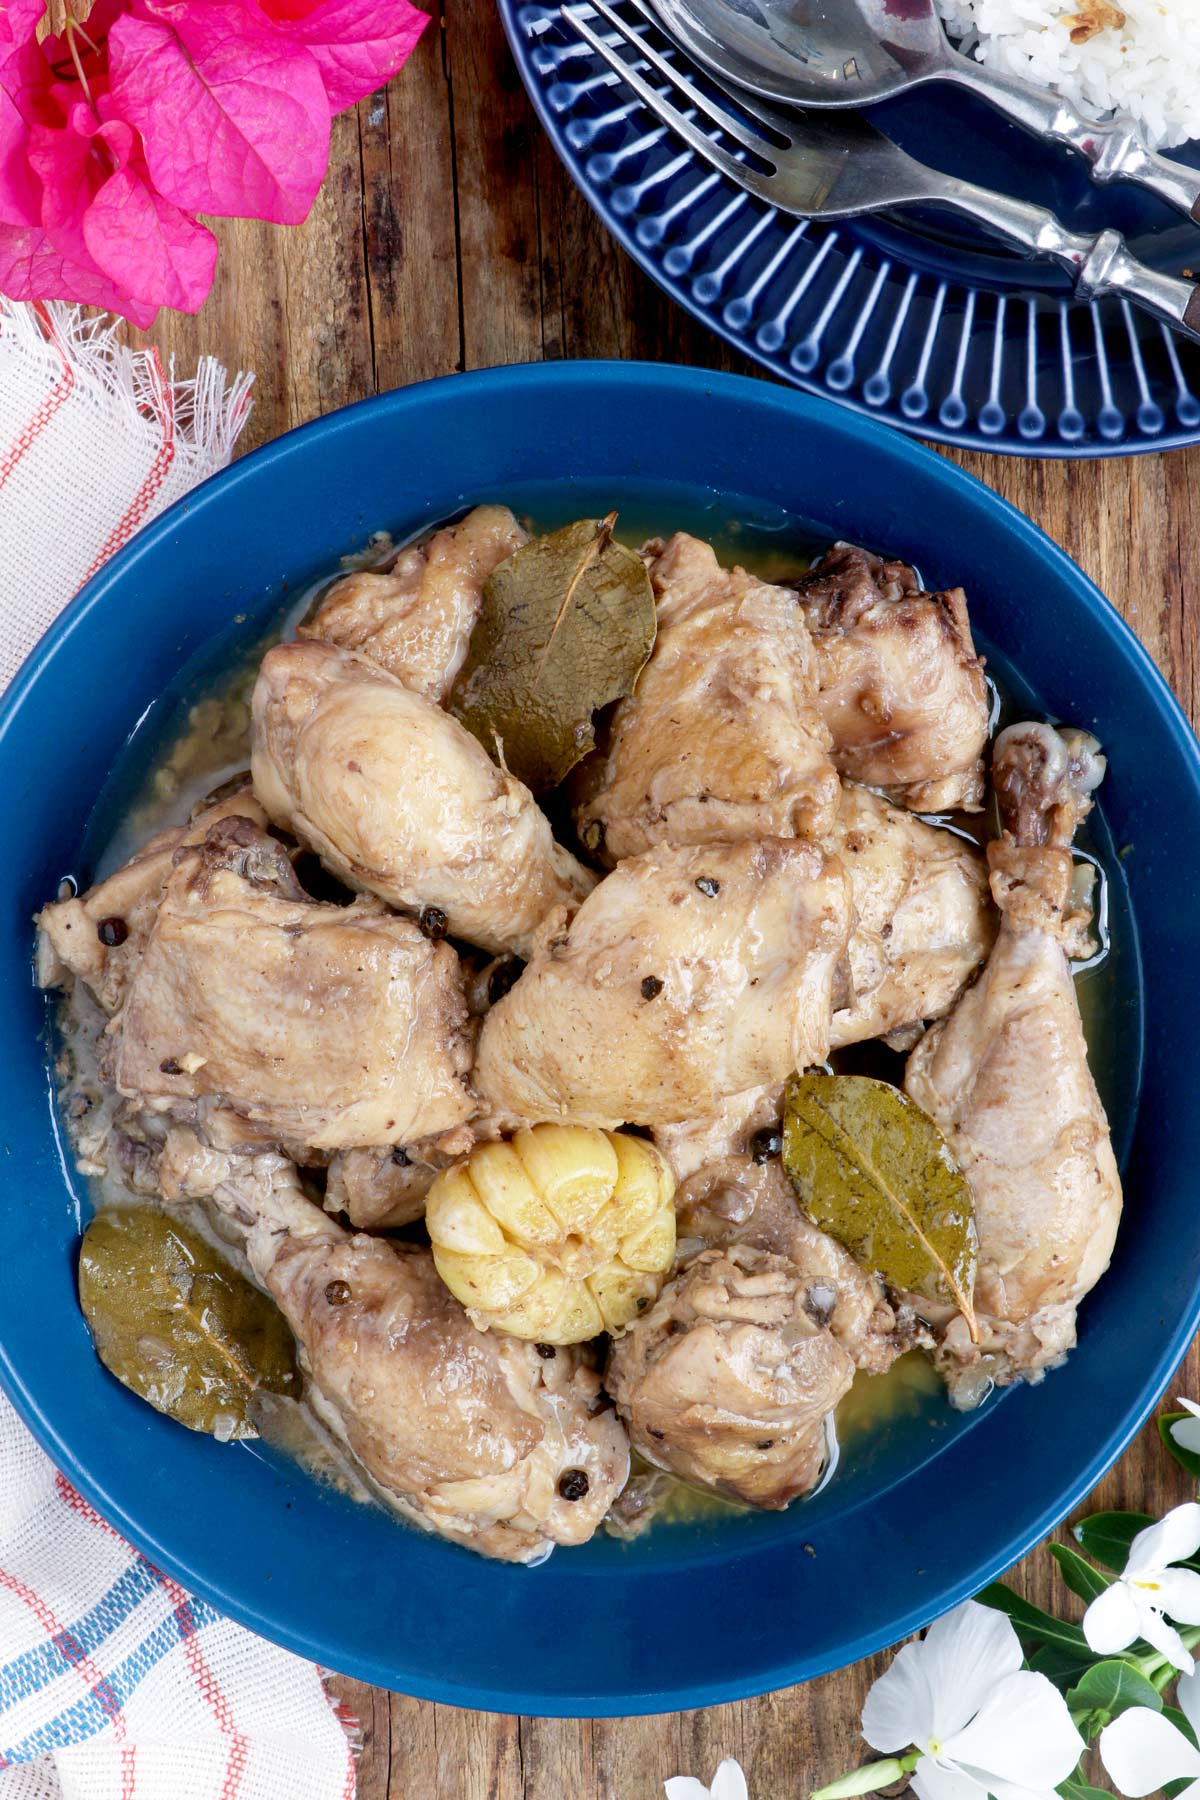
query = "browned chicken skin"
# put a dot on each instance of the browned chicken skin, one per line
(898, 682)
(400, 801)
(729, 1379)
(1006, 1077)
(327, 1025)
(416, 618)
(687, 975)
(721, 739)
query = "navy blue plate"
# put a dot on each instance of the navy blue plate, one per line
(920, 320)
(917, 1517)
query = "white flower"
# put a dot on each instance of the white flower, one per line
(1137, 1605)
(727, 1784)
(1142, 1751)
(1186, 1432)
(983, 1724)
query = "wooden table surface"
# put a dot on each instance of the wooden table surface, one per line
(448, 237)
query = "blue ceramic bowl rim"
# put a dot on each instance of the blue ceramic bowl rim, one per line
(202, 1576)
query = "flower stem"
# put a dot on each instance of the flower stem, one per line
(870, 1777)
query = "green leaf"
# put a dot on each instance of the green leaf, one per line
(177, 1325)
(1109, 1688)
(1188, 1459)
(1062, 1667)
(1079, 1575)
(1180, 1722)
(1107, 1536)
(873, 1170)
(566, 625)
(1033, 1626)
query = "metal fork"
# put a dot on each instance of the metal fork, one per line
(835, 165)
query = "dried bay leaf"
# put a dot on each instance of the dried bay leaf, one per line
(177, 1325)
(873, 1170)
(566, 626)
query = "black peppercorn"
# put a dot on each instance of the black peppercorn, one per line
(660, 1435)
(337, 1292)
(170, 1067)
(766, 1143)
(112, 932)
(765, 1444)
(651, 986)
(546, 1351)
(433, 922)
(708, 887)
(400, 1156)
(573, 1484)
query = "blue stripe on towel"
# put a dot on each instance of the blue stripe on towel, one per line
(36, 1668)
(94, 1711)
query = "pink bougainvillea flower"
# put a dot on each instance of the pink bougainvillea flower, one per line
(233, 115)
(117, 132)
(358, 44)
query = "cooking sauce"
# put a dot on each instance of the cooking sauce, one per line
(200, 737)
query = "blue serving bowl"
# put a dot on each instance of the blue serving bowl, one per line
(926, 1510)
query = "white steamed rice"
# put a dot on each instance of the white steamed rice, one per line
(1149, 67)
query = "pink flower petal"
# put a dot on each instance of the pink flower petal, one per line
(358, 44)
(32, 269)
(153, 250)
(233, 115)
(18, 190)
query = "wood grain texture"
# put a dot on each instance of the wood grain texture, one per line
(447, 237)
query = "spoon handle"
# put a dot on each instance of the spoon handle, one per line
(1098, 265)
(1115, 148)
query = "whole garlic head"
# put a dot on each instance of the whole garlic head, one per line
(558, 1234)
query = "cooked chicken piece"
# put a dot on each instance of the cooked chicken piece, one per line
(740, 1199)
(721, 739)
(330, 1025)
(416, 619)
(729, 1129)
(687, 975)
(474, 1435)
(400, 801)
(923, 917)
(728, 1380)
(1006, 1078)
(898, 682)
(384, 1186)
(100, 936)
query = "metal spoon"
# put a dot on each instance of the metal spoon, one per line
(855, 52)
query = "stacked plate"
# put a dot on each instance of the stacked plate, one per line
(920, 322)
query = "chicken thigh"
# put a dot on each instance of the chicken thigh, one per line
(475, 1435)
(747, 1199)
(399, 800)
(924, 921)
(687, 975)
(1006, 1078)
(721, 738)
(415, 620)
(729, 1379)
(328, 1025)
(100, 936)
(898, 682)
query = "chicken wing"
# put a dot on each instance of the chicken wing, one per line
(721, 739)
(475, 1435)
(924, 921)
(728, 1380)
(416, 619)
(687, 975)
(1006, 1077)
(400, 801)
(328, 1025)
(898, 682)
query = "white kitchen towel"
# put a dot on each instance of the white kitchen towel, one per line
(114, 1683)
(95, 440)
